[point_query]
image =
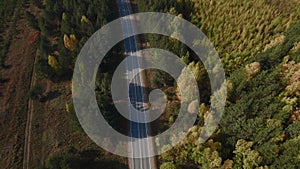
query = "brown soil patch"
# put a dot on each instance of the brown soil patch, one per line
(14, 95)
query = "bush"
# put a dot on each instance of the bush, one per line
(293, 129)
(37, 3)
(72, 118)
(32, 20)
(43, 69)
(36, 93)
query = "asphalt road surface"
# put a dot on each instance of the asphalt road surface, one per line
(136, 95)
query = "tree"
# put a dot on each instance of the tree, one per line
(245, 157)
(53, 163)
(36, 93)
(52, 61)
(206, 157)
(168, 165)
(293, 129)
(44, 26)
(69, 160)
(70, 41)
(57, 8)
(44, 46)
(32, 21)
(66, 24)
(37, 3)
(43, 69)
(1, 78)
(289, 155)
(72, 118)
(105, 102)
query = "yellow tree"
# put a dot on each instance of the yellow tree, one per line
(52, 61)
(245, 157)
(70, 42)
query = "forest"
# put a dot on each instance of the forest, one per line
(259, 46)
(258, 42)
(260, 127)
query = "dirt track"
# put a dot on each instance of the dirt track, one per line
(29, 121)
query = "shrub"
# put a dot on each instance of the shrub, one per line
(36, 93)
(32, 20)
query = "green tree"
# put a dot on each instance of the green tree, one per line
(37, 3)
(36, 93)
(289, 155)
(43, 69)
(57, 9)
(44, 26)
(72, 118)
(207, 156)
(245, 157)
(32, 20)
(44, 46)
(53, 163)
(168, 165)
(293, 130)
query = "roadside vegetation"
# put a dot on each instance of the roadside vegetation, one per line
(64, 28)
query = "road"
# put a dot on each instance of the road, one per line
(136, 94)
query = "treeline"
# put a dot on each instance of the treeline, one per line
(183, 7)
